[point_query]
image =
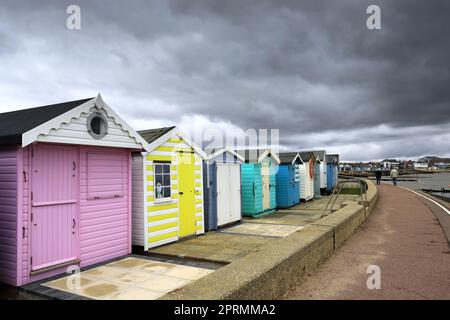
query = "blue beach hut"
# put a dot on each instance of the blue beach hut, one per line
(258, 182)
(288, 181)
(222, 188)
(332, 171)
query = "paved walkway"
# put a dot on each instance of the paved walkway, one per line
(404, 239)
(234, 242)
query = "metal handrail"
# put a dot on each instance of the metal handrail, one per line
(337, 192)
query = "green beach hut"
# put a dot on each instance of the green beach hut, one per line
(258, 181)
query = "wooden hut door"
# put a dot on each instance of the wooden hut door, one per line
(235, 191)
(54, 194)
(265, 172)
(186, 194)
(228, 193)
(223, 194)
(309, 181)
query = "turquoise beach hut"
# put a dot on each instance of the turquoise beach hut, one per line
(288, 181)
(258, 182)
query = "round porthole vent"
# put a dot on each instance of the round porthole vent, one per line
(97, 125)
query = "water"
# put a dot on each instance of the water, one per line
(434, 181)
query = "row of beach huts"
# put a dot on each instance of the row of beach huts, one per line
(79, 186)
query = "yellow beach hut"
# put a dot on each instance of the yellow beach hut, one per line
(167, 189)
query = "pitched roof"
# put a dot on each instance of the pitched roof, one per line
(307, 155)
(153, 134)
(214, 152)
(251, 155)
(254, 155)
(15, 123)
(320, 154)
(157, 136)
(287, 157)
(333, 158)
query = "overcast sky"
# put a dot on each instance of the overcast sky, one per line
(311, 69)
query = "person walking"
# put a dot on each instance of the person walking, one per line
(378, 176)
(394, 176)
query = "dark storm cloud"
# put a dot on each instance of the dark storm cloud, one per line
(310, 68)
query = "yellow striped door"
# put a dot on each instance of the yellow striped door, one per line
(186, 193)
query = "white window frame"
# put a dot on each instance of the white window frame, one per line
(160, 163)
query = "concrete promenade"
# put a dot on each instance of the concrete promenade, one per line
(403, 237)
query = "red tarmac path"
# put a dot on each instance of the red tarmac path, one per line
(403, 238)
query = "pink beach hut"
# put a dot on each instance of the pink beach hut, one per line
(65, 190)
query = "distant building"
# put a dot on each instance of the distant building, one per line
(406, 165)
(345, 166)
(421, 165)
(390, 164)
(358, 166)
(440, 163)
(427, 159)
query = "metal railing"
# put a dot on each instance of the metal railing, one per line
(338, 189)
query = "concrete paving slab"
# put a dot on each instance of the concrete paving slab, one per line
(101, 290)
(307, 205)
(136, 294)
(64, 285)
(213, 246)
(163, 283)
(157, 267)
(262, 229)
(188, 273)
(121, 275)
(129, 278)
(129, 263)
(290, 217)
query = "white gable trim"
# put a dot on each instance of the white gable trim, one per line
(194, 146)
(172, 133)
(55, 123)
(155, 144)
(131, 132)
(295, 158)
(223, 150)
(266, 154)
(314, 157)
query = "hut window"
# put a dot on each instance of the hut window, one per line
(97, 125)
(162, 180)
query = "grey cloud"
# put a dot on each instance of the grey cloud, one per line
(305, 67)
